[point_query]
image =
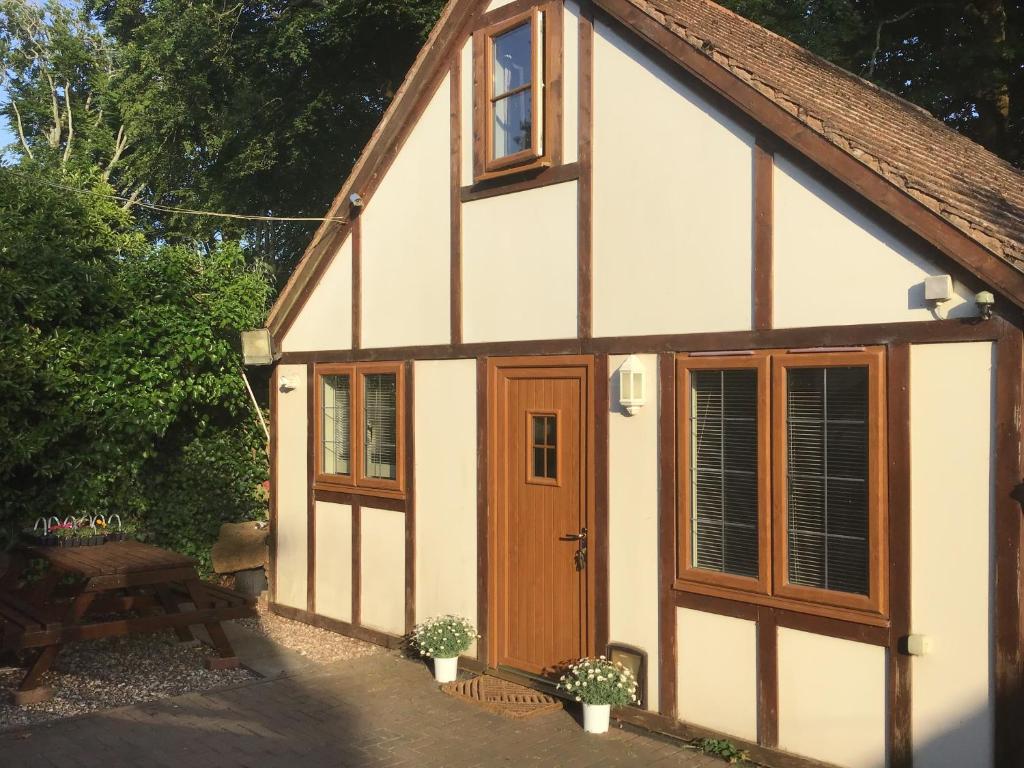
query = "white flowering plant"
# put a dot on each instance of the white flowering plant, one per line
(444, 637)
(599, 681)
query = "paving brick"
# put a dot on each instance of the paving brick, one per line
(377, 712)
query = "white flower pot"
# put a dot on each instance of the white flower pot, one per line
(595, 717)
(446, 670)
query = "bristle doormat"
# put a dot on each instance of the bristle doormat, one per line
(502, 697)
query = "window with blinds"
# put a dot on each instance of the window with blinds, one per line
(723, 470)
(336, 412)
(380, 418)
(359, 429)
(781, 479)
(827, 478)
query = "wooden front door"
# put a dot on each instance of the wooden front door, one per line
(540, 523)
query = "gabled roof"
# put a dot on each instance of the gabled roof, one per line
(955, 194)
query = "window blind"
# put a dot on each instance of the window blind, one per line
(337, 410)
(723, 471)
(380, 412)
(827, 477)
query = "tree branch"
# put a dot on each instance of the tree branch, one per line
(878, 35)
(71, 128)
(119, 146)
(21, 131)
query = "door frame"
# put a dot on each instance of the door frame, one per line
(595, 540)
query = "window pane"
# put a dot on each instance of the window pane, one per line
(513, 61)
(545, 447)
(827, 477)
(513, 124)
(723, 471)
(380, 451)
(335, 430)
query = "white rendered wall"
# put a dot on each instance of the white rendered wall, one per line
(633, 522)
(717, 672)
(833, 265)
(382, 570)
(325, 320)
(832, 699)
(951, 417)
(290, 425)
(445, 432)
(406, 238)
(672, 211)
(334, 560)
(519, 265)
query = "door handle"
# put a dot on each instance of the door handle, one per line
(581, 536)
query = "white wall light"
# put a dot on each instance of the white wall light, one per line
(632, 385)
(286, 384)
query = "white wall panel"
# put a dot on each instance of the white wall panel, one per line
(292, 506)
(333, 558)
(633, 522)
(519, 265)
(833, 265)
(832, 699)
(325, 320)
(717, 672)
(406, 238)
(382, 570)
(445, 431)
(951, 415)
(672, 201)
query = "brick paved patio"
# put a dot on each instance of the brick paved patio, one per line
(376, 711)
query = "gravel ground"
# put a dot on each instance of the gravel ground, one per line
(102, 674)
(317, 644)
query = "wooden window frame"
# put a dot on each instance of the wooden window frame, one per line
(772, 588)
(545, 22)
(687, 571)
(876, 601)
(356, 481)
(532, 478)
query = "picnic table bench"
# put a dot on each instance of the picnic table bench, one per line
(118, 588)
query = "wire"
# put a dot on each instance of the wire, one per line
(171, 209)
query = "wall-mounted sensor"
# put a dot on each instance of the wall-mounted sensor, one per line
(919, 645)
(938, 289)
(985, 301)
(356, 199)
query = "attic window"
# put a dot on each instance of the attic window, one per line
(517, 59)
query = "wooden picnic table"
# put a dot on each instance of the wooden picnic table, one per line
(118, 588)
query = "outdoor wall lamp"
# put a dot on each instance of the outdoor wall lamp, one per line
(632, 385)
(286, 384)
(985, 301)
(258, 347)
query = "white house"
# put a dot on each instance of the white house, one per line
(574, 212)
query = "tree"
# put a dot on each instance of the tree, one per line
(962, 61)
(256, 107)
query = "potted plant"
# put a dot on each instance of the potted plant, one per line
(599, 684)
(63, 533)
(443, 638)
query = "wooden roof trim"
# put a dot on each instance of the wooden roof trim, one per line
(382, 147)
(929, 225)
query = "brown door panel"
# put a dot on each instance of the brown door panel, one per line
(541, 504)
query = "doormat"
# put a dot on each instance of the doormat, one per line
(502, 697)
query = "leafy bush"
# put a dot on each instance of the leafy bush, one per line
(120, 378)
(444, 637)
(599, 681)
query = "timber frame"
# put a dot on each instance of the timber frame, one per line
(775, 128)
